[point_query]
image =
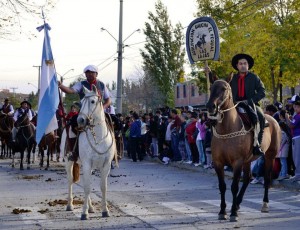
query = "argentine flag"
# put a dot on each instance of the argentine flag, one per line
(49, 96)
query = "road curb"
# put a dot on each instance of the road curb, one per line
(284, 183)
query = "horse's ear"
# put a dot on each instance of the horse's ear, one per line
(95, 89)
(213, 77)
(85, 90)
(229, 78)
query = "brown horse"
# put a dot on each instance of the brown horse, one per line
(232, 145)
(47, 143)
(6, 126)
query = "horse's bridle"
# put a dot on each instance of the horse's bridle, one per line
(219, 115)
(90, 126)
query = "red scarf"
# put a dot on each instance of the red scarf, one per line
(94, 82)
(241, 85)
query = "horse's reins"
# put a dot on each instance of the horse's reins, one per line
(220, 116)
(90, 127)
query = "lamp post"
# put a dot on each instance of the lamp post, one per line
(62, 76)
(62, 79)
(120, 57)
(33, 85)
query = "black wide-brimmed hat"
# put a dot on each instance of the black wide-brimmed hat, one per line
(27, 102)
(238, 57)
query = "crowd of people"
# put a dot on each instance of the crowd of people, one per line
(184, 135)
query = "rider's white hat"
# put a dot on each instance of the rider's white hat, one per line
(91, 68)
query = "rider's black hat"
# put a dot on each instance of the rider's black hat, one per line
(28, 103)
(238, 57)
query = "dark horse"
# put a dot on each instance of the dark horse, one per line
(47, 143)
(6, 126)
(25, 139)
(232, 144)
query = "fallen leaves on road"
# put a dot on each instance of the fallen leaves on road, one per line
(43, 211)
(64, 202)
(32, 177)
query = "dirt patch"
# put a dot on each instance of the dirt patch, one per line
(31, 177)
(64, 202)
(19, 211)
(43, 211)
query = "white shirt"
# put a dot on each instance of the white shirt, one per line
(29, 114)
(78, 87)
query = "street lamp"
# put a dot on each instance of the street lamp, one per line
(33, 85)
(120, 58)
(62, 76)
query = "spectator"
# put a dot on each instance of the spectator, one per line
(135, 136)
(189, 159)
(284, 150)
(190, 130)
(294, 124)
(165, 156)
(175, 127)
(181, 137)
(258, 170)
(168, 130)
(201, 137)
(207, 146)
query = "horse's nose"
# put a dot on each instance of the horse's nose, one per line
(80, 121)
(211, 107)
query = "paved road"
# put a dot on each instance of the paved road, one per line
(142, 195)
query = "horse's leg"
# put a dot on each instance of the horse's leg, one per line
(49, 152)
(234, 190)
(41, 153)
(22, 156)
(222, 187)
(246, 180)
(87, 168)
(13, 160)
(28, 156)
(103, 187)
(69, 169)
(267, 178)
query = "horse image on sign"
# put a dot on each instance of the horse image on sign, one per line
(202, 40)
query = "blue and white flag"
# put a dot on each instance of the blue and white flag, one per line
(49, 95)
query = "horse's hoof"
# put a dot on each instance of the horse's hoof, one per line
(28, 167)
(46, 168)
(21, 168)
(234, 218)
(12, 166)
(84, 216)
(105, 214)
(69, 208)
(265, 207)
(91, 210)
(222, 217)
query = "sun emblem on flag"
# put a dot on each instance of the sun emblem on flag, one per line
(49, 62)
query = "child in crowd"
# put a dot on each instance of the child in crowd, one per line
(166, 155)
(284, 150)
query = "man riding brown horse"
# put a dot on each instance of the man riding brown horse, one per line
(248, 88)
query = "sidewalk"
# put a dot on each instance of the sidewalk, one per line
(284, 183)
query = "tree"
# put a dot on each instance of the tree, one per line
(267, 30)
(14, 12)
(163, 56)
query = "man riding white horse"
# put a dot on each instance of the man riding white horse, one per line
(91, 73)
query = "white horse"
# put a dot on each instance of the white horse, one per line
(97, 149)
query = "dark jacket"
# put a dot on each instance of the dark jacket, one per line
(254, 88)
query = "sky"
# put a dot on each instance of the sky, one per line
(77, 40)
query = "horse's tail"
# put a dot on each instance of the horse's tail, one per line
(76, 172)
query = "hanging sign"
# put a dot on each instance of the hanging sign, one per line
(202, 40)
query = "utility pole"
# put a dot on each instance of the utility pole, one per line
(120, 57)
(39, 77)
(14, 90)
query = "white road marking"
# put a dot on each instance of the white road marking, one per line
(187, 209)
(277, 205)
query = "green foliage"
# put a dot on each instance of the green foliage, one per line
(267, 30)
(163, 55)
